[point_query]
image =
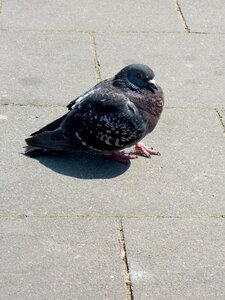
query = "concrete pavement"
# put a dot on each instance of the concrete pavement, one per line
(82, 227)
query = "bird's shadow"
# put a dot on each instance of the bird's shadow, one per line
(84, 165)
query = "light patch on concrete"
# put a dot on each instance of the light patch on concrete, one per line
(190, 66)
(2, 117)
(138, 275)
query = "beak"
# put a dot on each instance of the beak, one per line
(152, 86)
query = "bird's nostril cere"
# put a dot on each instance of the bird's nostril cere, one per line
(152, 87)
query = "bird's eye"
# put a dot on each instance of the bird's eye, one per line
(138, 76)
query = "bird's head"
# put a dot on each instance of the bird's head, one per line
(136, 77)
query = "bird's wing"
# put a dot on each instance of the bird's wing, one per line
(95, 90)
(56, 123)
(104, 121)
(85, 95)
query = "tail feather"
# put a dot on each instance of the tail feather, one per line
(33, 152)
(42, 142)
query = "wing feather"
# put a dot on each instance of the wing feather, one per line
(104, 121)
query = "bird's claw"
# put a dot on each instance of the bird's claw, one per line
(141, 149)
(120, 156)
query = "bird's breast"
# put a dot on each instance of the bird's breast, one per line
(155, 108)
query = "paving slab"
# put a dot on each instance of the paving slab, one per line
(131, 15)
(44, 67)
(204, 15)
(190, 68)
(176, 258)
(188, 179)
(60, 258)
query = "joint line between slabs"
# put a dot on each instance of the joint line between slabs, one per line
(90, 32)
(187, 29)
(123, 255)
(95, 57)
(222, 125)
(116, 217)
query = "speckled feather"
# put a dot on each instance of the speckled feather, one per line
(104, 121)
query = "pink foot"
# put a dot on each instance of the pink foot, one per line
(120, 156)
(141, 149)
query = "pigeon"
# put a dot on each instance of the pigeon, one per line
(115, 114)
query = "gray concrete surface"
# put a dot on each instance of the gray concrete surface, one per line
(91, 15)
(204, 15)
(40, 67)
(82, 227)
(60, 258)
(176, 258)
